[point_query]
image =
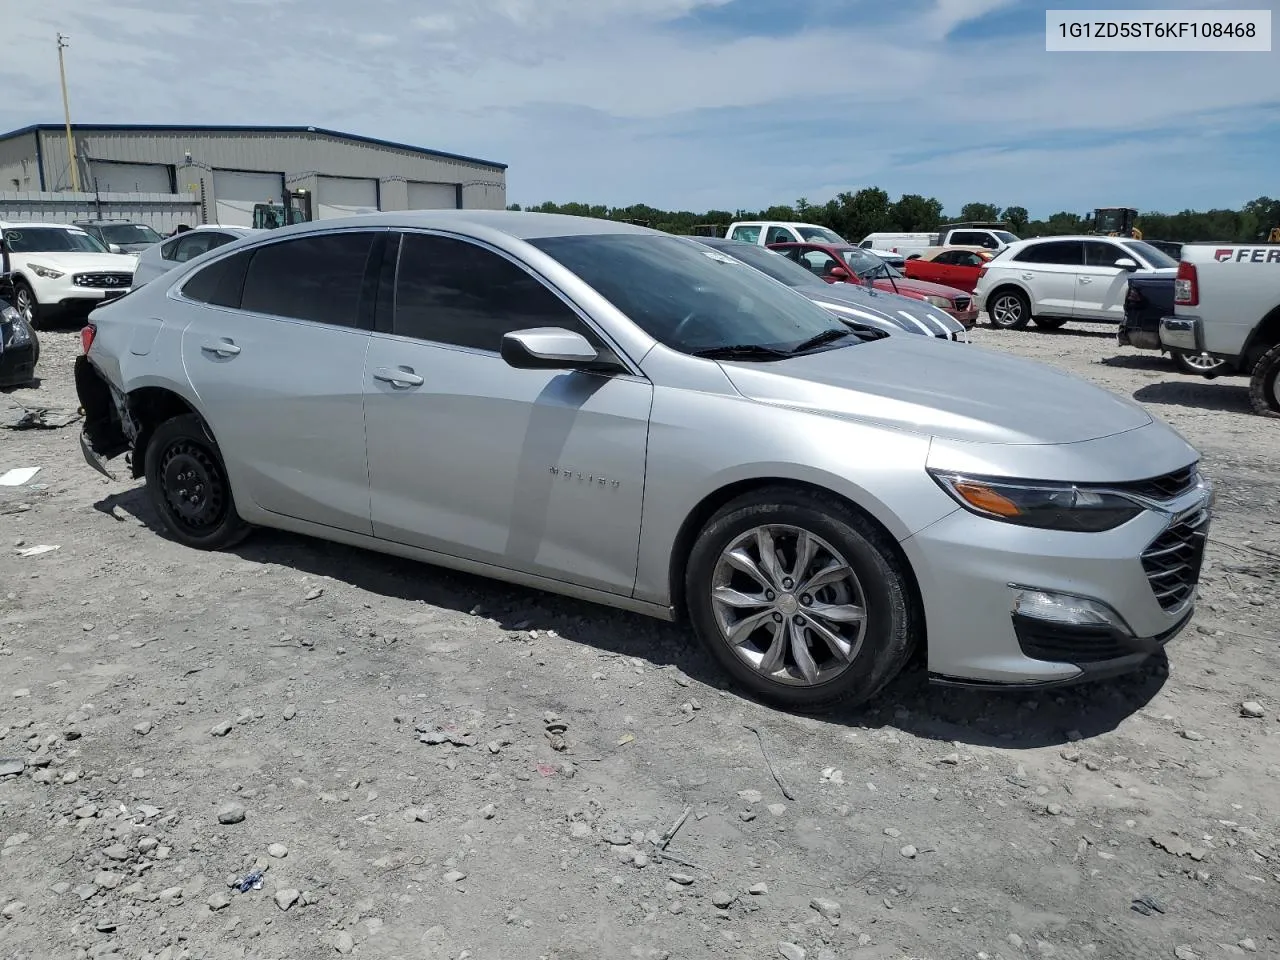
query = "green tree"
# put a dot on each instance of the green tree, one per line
(913, 213)
(979, 212)
(1016, 217)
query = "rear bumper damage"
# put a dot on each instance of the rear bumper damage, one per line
(103, 436)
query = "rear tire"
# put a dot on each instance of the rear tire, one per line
(1049, 323)
(837, 643)
(1264, 385)
(188, 485)
(1197, 364)
(1009, 309)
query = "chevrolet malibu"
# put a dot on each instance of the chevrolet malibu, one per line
(600, 410)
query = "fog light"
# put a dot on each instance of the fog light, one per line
(1065, 609)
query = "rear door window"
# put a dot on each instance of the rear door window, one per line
(746, 234)
(320, 278)
(1062, 252)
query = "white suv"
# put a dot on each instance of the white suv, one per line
(1055, 279)
(55, 267)
(764, 232)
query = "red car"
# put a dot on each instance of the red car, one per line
(845, 263)
(951, 266)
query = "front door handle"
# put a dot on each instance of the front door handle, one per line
(1086, 280)
(399, 377)
(222, 348)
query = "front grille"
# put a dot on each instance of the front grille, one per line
(103, 281)
(1168, 486)
(1173, 560)
(962, 303)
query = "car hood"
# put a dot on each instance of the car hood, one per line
(928, 386)
(923, 288)
(75, 262)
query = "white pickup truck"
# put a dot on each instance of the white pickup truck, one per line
(1227, 304)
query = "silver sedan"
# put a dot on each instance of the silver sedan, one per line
(600, 410)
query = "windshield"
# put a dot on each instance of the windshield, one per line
(690, 297)
(771, 263)
(123, 233)
(1004, 236)
(867, 265)
(1153, 255)
(820, 235)
(50, 240)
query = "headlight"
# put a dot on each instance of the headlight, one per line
(19, 332)
(941, 302)
(47, 272)
(1047, 506)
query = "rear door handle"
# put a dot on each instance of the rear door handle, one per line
(399, 377)
(222, 348)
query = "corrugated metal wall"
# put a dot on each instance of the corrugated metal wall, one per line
(160, 211)
(301, 156)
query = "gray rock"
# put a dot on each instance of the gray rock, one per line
(231, 813)
(722, 899)
(171, 895)
(488, 811)
(290, 713)
(107, 879)
(342, 942)
(909, 852)
(87, 812)
(287, 898)
(1185, 953)
(758, 889)
(219, 901)
(223, 728)
(1248, 945)
(17, 840)
(682, 878)
(454, 876)
(790, 951)
(1192, 735)
(827, 908)
(143, 728)
(1252, 709)
(117, 851)
(11, 910)
(11, 767)
(277, 851)
(1053, 809)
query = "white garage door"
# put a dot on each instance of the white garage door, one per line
(433, 196)
(131, 177)
(345, 197)
(235, 193)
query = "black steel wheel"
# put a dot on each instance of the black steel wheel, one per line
(189, 488)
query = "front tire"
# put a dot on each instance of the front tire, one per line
(1199, 364)
(1009, 309)
(1264, 385)
(188, 485)
(801, 600)
(25, 302)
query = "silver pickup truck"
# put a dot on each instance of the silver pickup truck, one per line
(1227, 304)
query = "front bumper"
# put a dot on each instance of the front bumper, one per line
(18, 364)
(63, 293)
(971, 570)
(966, 318)
(1182, 333)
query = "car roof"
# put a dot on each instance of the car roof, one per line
(518, 224)
(19, 224)
(95, 223)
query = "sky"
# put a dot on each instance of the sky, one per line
(687, 104)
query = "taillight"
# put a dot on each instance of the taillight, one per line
(1186, 288)
(86, 336)
(982, 272)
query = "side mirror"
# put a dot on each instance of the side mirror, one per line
(114, 247)
(839, 273)
(1126, 263)
(552, 348)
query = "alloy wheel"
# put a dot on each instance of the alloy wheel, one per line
(789, 605)
(1200, 361)
(1006, 311)
(24, 303)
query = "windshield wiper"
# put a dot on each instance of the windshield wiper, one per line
(741, 351)
(822, 339)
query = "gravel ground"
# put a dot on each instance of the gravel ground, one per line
(423, 764)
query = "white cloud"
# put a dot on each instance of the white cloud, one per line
(607, 100)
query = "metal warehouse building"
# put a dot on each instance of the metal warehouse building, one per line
(165, 175)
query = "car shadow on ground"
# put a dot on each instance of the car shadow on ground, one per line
(1229, 394)
(1070, 331)
(990, 718)
(1140, 361)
